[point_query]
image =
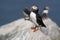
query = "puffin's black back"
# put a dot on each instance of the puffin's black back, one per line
(26, 11)
(39, 20)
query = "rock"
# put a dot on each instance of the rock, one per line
(21, 30)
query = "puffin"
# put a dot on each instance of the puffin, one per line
(26, 13)
(36, 18)
(45, 12)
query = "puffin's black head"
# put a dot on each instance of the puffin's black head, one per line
(34, 9)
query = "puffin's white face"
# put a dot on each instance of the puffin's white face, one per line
(46, 10)
(34, 7)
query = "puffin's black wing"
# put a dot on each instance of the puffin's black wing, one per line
(39, 20)
(26, 11)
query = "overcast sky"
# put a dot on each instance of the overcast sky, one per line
(11, 10)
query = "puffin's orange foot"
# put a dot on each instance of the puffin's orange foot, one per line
(34, 29)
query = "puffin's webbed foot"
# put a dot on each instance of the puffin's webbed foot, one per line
(34, 29)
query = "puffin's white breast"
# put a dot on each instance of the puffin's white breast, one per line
(33, 18)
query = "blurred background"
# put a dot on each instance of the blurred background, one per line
(11, 10)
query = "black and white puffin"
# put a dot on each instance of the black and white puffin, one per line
(36, 18)
(26, 13)
(45, 12)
